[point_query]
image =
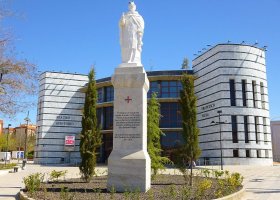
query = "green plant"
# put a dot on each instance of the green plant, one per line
(33, 182)
(90, 134)
(172, 192)
(55, 175)
(151, 195)
(189, 151)
(228, 184)
(112, 192)
(126, 194)
(218, 174)
(206, 172)
(153, 136)
(65, 194)
(185, 193)
(233, 182)
(202, 188)
(7, 166)
(136, 194)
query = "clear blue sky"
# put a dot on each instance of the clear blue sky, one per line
(70, 36)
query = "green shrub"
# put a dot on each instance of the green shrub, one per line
(206, 172)
(65, 195)
(7, 166)
(202, 188)
(55, 175)
(33, 182)
(229, 184)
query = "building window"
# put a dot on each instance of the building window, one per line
(266, 153)
(254, 93)
(265, 131)
(171, 115)
(258, 153)
(108, 118)
(170, 89)
(109, 93)
(172, 140)
(262, 95)
(99, 116)
(99, 95)
(234, 129)
(246, 130)
(248, 153)
(235, 153)
(256, 128)
(232, 92)
(244, 96)
(154, 87)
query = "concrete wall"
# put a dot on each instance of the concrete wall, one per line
(59, 114)
(214, 69)
(275, 134)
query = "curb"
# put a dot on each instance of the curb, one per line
(234, 196)
(23, 196)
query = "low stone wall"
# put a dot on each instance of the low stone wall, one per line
(23, 196)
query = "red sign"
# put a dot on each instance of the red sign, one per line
(69, 140)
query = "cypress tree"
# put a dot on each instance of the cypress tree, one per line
(90, 135)
(154, 133)
(190, 150)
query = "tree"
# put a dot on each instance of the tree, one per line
(11, 143)
(189, 151)
(18, 77)
(185, 64)
(154, 133)
(90, 135)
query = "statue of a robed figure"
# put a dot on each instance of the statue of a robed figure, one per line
(129, 164)
(131, 34)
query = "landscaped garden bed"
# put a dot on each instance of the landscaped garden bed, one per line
(7, 166)
(206, 186)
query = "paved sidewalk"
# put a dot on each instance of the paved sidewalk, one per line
(11, 183)
(261, 182)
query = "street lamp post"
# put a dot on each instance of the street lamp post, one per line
(220, 126)
(6, 157)
(219, 112)
(26, 131)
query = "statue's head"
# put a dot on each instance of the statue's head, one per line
(131, 6)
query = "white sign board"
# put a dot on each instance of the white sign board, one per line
(69, 140)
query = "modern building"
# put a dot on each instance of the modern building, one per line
(233, 114)
(275, 134)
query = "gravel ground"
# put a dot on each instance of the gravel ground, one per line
(164, 187)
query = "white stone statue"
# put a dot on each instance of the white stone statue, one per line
(131, 33)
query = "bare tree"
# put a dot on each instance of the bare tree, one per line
(18, 77)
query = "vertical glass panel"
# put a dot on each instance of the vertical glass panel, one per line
(232, 93)
(99, 95)
(246, 131)
(254, 93)
(256, 129)
(234, 129)
(244, 96)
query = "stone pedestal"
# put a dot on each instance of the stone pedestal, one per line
(129, 164)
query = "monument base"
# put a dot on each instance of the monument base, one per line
(129, 164)
(129, 172)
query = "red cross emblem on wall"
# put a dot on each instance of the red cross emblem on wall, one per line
(128, 99)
